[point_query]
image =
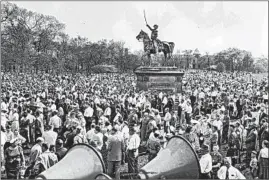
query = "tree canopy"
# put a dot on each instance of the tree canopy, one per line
(35, 42)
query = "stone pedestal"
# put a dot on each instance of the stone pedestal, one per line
(165, 79)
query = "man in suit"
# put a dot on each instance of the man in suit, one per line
(115, 147)
(60, 149)
(153, 145)
(154, 36)
(251, 141)
(262, 115)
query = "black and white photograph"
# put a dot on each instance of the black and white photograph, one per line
(134, 90)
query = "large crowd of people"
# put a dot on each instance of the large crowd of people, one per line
(224, 116)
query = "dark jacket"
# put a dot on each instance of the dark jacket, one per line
(115, 148)
(154, 32)
(251, 140)
(61, 153)
(153, 146)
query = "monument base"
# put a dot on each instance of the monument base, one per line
(166, 79)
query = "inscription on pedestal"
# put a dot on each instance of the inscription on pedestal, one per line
(165, 79)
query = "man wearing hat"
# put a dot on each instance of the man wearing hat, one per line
(192, 137)
(218, 123)
(133, 117)
(55, 121)
(205, 163)
(98, 137)
(125, 131)
(154, 36)
(262, 115)
(157, 118)
(227, 171)
(167, 120)
(49, 135)
(216, 160)
(163, 143)
(14, 160)
(251, 141)
(153, 145)
(196, 111)
(115, 147)
(36, 151)
(80, 138)
(132, 151)
(88, 114)
(263, 133)
(31, 119)
(254, 164)
(60, 150)
(9, 135)
(14, 120)
(4, 118)
(214, 137)
(46, 159)
(107, 112)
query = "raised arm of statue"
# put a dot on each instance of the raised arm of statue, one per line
(149, 27)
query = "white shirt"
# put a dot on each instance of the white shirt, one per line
(201, 95)
(195, 92)
(3, 138)
(20, 138)
(188, 109)
(158, 119)
(31, 118)
(97, 100)
(263, 153)
(10, 136)
(88, 112)
(53, 107)
(117, 117)
(3, 106)
(206, 163)
(3, 120)
(214, 93)
(50, 137)
(107, 111)
(167, 117)
(160, 95)
(80, 138)
(218, 124)
(55, 121)
(43, 95)
(98, 138)
(165, 101)
(133, 142)
(15, 117)
(90, 134)
(233, 173)
(125, 133)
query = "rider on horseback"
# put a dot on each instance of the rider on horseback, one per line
(154, 36)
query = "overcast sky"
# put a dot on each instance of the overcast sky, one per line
(208, 26)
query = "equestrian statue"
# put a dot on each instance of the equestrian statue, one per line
(153, 45)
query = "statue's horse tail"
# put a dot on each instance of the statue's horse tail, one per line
(172, 46)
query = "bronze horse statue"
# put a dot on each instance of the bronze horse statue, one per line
(166, 47)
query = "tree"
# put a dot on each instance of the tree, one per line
(261, 65)
(235, 59)
(27, 37)
(221, 67)
(33, 41)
